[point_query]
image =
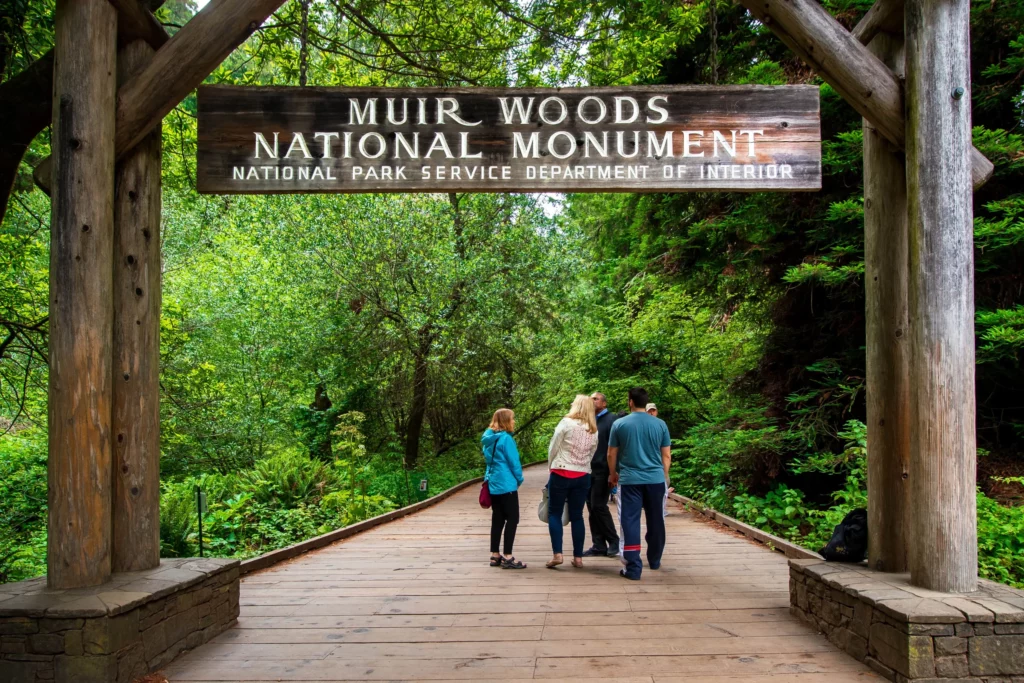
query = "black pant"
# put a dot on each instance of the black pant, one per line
(602, 525)
(504, 514)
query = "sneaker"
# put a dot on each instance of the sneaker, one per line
(612, 553)
(594, 552)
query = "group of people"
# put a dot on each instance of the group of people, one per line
(591, 453)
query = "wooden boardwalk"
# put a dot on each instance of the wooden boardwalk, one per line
(416, 600)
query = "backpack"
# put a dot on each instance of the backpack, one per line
(849, 542)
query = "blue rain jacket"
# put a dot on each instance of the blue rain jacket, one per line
(504, 473)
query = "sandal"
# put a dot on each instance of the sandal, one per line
(496, 561)
(512, 563)
(553, 563)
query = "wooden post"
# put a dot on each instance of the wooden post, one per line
(136, 392)
(81, 248)
(943, 540)
(886, 263)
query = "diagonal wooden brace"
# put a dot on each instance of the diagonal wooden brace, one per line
(135, 21)
(177, 68)
(884, 16)
(838, 57)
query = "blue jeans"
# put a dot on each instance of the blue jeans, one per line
(561, 489)
(649, 499)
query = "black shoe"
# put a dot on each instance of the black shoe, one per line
(512, 563)
(623, 574)
(594, 552)
(612, 553)
(655, 567)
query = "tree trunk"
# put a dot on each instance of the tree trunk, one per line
(322, 448)
(943, 540)
(136, 393)
(886, 264)
(418, 408)
(81, 300)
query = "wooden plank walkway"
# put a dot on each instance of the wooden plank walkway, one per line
(415, 600)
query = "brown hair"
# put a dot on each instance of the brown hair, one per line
(503, 420)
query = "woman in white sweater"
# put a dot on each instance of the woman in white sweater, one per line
(569, 455)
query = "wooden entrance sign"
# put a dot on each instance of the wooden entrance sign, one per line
(258, 140)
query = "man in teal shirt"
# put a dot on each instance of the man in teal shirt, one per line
(638, 458)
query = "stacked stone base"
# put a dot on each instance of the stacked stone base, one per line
(129, 627)
(907, 633)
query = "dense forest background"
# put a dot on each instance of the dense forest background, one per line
(323, 354)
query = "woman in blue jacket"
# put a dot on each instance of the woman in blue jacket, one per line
(504, 476)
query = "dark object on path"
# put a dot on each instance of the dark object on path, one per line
(849, 542)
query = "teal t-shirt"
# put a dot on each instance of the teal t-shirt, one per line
(640, 438)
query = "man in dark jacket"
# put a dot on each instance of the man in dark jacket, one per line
(602, 526)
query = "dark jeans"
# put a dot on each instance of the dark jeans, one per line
(561, 489)
(651, 499)
(504, 514)
(602, 525)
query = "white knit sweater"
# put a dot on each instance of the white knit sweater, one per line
(572, 447)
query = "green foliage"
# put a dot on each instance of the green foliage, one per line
(22, 505)
(1000, 541)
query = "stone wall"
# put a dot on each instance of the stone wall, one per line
(907, 633)
(131, 626)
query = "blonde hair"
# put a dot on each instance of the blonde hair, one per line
(503, 420)
(583, 410)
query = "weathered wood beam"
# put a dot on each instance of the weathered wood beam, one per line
(135, 421)
(944, 540)
(178, 67)
(136, 22)
(27, 105)
(182, 64)
(838, 57)
(81, 270)
(886, 265)
(884, 15)
(27, 110)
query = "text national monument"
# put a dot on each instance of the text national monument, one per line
(630, 139)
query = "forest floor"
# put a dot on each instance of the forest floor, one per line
(415, 600)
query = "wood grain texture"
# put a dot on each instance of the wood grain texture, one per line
(182, 64)
(943, 542)
(414, 600)
(136, 22)
(838, 57)
(177, 68)
(786, 119)
(886, 277)
(136, 339)
(884, 16)
(81, 249)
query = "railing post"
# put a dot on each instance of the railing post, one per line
(81, 248)
(943, 539)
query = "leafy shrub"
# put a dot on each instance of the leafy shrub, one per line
(23, 501)
(288, 480)
(1000, 542)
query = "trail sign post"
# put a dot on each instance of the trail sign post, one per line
(633, 139)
